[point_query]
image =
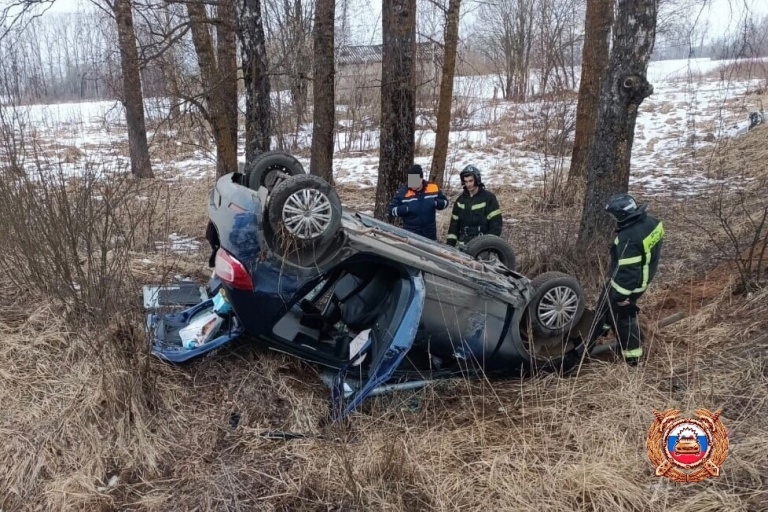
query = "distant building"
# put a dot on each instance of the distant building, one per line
(358, 70)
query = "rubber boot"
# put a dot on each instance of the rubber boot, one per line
(629, 337)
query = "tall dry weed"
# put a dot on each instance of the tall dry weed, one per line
(70, 238)
(77, 387)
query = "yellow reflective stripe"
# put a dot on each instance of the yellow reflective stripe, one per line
(629, 261)
(620, 289)
(624, 291)
(653, 237)
(493, 214)
(460, 205)
(455, 217)
(649, 242)
(632, 354)
(478, 206)
(452, 237)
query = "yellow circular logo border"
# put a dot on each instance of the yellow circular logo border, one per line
(667, 467)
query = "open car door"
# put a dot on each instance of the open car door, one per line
(387, 344)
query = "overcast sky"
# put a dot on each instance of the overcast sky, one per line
(721, 16)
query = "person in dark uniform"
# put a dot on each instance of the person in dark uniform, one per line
(635, 254)
(475, 212)
(417, 202)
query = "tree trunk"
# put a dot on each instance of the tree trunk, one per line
(214, 89)
(323, 92)
(445, 99)
(300, 65)
(226, 41)
(258, 116)
(594, 65)
(623, 90)
(398, 108)
(133, 99)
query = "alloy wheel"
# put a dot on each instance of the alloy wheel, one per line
(558, 307)
(307, 213)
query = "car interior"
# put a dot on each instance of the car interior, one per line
(350, 299)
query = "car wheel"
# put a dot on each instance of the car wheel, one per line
(557, 304)
(305, 209)
(269, 168)
(492, 247)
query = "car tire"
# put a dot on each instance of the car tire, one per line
(305, 209)
(492, 244)
(552, 310)
(269, 167)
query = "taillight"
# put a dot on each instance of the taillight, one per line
(237, 208)
(232, 272)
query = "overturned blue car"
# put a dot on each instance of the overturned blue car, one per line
(377, 306)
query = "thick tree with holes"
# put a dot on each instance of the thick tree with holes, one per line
(623, 90)
(398, 107)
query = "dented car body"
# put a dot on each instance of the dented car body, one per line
(372, 303)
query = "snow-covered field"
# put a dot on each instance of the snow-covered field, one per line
(686, 113)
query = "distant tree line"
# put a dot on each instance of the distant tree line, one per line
(686, 41)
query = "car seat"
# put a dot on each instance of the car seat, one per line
(357, 300)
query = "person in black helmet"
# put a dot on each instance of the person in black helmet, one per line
(635, 256)
(475, 212)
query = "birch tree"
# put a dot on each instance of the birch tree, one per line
(624, 89)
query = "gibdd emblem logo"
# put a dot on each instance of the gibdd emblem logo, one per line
(686, 449)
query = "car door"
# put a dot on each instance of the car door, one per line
(463, 323)
(388, 343)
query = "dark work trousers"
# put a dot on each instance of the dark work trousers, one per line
(622, 320)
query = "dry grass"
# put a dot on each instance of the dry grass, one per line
(123, 431)
(744, 69)
(742, 157)
(549, 444)
(555, 444)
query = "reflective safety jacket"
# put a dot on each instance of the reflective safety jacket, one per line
(417, 208)
(474, 215)
(635, 255)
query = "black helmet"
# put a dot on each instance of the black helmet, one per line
(624, 208)
(473, 171)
